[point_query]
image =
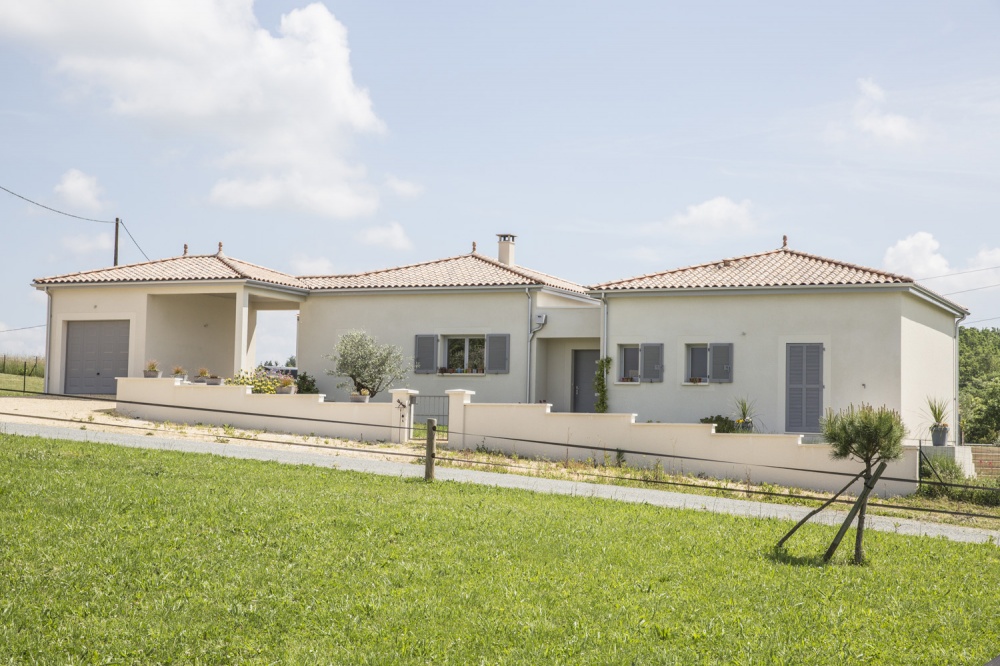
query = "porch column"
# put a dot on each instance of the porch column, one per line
(242, 330)
(457, 400)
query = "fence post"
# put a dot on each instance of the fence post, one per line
(24, 379)
(431, 452)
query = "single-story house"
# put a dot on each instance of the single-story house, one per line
(793, 333)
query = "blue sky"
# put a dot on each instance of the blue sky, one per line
(613, 138)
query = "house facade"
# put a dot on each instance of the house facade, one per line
(792, 333)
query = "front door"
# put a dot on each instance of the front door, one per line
(584, 371)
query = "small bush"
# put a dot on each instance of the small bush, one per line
(723, 424)
(306, 383)
(258, 380)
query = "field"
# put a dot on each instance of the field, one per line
(14, 384)
(134, 556)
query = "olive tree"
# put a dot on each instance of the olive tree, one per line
(368, 365)
(869, 435)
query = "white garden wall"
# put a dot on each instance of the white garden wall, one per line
(181, 402)
(514, 428)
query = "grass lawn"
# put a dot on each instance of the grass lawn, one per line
(121, 555)
(13, 384)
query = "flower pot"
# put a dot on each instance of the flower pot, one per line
(199, 380)
(939, 435)
(359, 398)
(214, 381)
(183, 378)
(152, 374)
(285, 390)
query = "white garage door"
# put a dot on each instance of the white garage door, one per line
(96, 353)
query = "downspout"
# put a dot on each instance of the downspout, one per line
(48, 339)
(604, 325)
(531, 334)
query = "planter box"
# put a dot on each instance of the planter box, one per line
(152, 374)
(359, 398)
(214, 381)
(286, 390)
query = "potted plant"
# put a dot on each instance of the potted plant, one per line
(744, 414)
(939, 429)
(286, 385)
(152, 369)
(361, 396)
(214, 380)
(202, 377)
(443, 370)
(180, 373)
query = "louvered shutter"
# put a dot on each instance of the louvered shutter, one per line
(803, 387)
(498, 353)
(652, 362)
(425, 355)
(721, 355)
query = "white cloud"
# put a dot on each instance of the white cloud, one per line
(80, 191)
(403, 188)
(284, 108)
(872, 120)
(305, 265)
(392, 236)
(916, 256)
(83, 244)
(720, 214)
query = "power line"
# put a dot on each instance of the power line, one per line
(23, 328)
(989, 286)
(133, 240)
(974, 270)
(88, 219)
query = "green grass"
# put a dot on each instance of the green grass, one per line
(33, 366)
(133, 556)
(14, 384)
(420, 431)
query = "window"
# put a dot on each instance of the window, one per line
(467, 354)
(640, 363)
(477, 354)
(709, 363)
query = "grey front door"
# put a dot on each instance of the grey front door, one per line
(584, 370)
(803, 387)
(96, 353)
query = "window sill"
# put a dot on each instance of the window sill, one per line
(461, 374)
(696, 383)
(628, 383)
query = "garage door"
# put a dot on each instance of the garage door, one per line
(96, 353)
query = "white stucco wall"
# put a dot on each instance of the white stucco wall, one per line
(861, 333)
(928, 367)
(396, 318)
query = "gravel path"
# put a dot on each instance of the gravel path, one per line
(292, 454)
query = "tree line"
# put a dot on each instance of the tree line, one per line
(979, 384)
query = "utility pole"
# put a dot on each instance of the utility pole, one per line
(117, 222)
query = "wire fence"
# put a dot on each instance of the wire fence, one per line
(947, 487)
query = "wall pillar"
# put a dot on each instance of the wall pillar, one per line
(402, 401)
(242, 331)
(457, 400)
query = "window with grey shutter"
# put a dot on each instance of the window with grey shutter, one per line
(803, 387)
(652, 362)
(425, 355)
(498, 353)
(721, 356)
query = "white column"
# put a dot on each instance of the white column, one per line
(242, 330)
(457, 400)
(402, 429)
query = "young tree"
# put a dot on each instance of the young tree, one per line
(869, 435)
(367, 364)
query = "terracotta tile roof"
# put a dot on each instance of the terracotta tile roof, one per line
(187, 267)
(467, 270)
(776, 268)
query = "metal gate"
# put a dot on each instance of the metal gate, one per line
(432, 407)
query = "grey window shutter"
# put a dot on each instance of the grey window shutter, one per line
(803, 387)
(425, 356)
(498, 353)
(652, 362)
(721, 354)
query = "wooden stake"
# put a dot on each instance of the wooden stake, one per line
(863, 498)
(815, 511)
(431, 450)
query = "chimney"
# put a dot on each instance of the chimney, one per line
(505, 253)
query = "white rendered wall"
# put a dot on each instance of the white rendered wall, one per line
(860, 334)
(928, 370)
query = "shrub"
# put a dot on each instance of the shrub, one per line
(367, 364)
(306, 383)
(723, 424)
(258, 380)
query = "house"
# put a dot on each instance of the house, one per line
(793, 333)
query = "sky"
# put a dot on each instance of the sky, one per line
(614, 139)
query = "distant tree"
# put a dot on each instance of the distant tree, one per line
(869, 435)
(978, 354)
(290, 363)
(367, 364)
(979, 384)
